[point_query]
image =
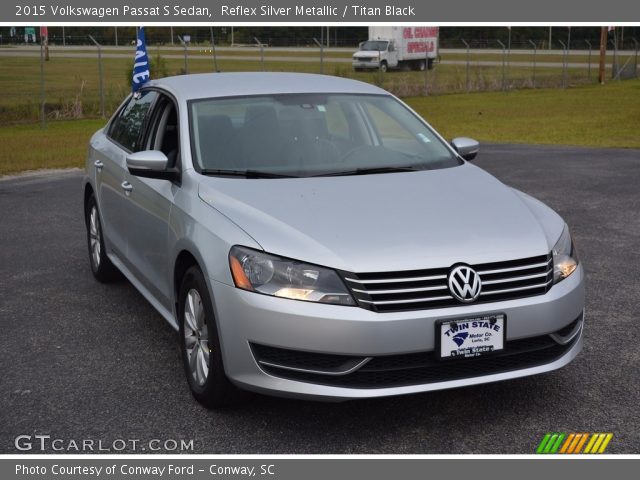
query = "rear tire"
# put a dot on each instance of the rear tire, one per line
(103, 270)
(200, 344)
(430, 64)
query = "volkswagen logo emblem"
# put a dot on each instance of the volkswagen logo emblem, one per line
(464, 283)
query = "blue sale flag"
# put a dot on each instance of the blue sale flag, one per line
(141, 73)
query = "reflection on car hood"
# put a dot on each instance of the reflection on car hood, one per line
(387, 222)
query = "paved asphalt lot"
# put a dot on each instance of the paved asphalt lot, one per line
(83, 360)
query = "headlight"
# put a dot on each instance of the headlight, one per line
(565, 257)
(281, 277)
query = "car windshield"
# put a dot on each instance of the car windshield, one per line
(302, 135)
(377, 45)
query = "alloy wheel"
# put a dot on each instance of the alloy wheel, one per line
(94, 237)
(196, 337)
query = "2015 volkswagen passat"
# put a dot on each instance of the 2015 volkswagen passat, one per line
(313, 236)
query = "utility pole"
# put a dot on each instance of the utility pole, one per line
(603, 54)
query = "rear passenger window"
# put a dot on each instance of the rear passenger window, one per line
(126, 128)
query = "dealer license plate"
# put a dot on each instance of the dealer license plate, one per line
(471, 337)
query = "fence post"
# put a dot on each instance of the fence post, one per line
(321, 54)
(614, 68)
(380, 80)
(184, 49)
(535, 51)
(564, 64)
(261, 51)
(426, 74)
(637, 44)
(589, 61)
(43, 120)
(468, 54)
(509, 53)
(504, 56)
(100, 73)
(213, 49)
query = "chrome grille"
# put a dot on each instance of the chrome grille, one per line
(424, 289)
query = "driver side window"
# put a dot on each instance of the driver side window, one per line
(127, 127)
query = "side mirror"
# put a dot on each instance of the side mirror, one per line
(467, 148)
(150, 164)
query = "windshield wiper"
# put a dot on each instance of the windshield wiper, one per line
(371, 170)
(244, 173)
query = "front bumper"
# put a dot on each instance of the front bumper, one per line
(366, 65)
(246, 318)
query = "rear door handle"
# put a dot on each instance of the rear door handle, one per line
(127, 187)
(98, 164)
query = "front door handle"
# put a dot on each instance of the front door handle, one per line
(98, 164)
(127, 187)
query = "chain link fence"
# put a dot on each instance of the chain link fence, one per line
(90, 78)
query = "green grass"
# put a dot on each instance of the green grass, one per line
(594, 116)
(61, 144)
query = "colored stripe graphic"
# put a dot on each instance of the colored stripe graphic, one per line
(556, 445)
(573, 443)
(590, 444)
(605, 443)
(543, 443)
(567, 443)
(581, 443)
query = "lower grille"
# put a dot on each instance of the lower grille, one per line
(406, 369)
(424, 289)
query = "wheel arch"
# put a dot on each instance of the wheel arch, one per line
(88, 191)
(183, 262)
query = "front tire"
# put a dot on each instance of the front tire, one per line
(200, 344)
(103, 270)
(383, 67)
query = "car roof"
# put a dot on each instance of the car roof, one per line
(209, 85)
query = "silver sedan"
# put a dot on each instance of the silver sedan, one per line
(312, 236)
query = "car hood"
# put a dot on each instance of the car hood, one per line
(388, 222)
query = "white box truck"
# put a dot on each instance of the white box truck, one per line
(414, 48)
